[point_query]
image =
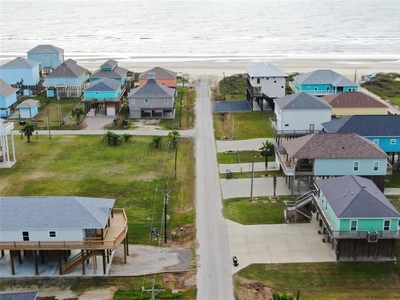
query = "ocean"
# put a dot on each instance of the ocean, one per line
(185, 29)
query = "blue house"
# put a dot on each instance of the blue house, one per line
(104, 93)
(383, 130)
(332, 154)
(8, 96)
(110, 69)
(28, 109)
(67, 80)
(359, 220)
(21, 73)
(49, 56)
(322, 82)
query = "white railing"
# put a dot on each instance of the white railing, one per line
(313, 92)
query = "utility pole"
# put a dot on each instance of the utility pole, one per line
(48, 123)
(252, 178)
(183, 91)
(176, 154)
(59, 109)
(166, 192)
(233, 125)
(224, 87)
(153, 291)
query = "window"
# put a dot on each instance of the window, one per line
(286, 125)
(392, 142)
(258, 80)
(282, 87)
(386, 225)
(25, 235)
(97, 93)
(356, 165)
(353, 225)
(376, 142)
(376, 165)
(133, 101)
(52, 234)
(274, 81)
(315, 89)
(146, 101)
(166, 101)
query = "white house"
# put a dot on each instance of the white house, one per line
(7, 151)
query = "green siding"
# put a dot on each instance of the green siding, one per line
(368, 224)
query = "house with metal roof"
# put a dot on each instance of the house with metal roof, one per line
(58, 225)
(8, 97)
(299, 114)
(111, 70)
(322, 82)
(265, 81)
(152, 100)
(28, 108)
(7, 151)
(359, 220)
(104, 94)
(67, 80)
(355, 103)
(332, 154)
(164, 76)
(21, 73)
(49, 56)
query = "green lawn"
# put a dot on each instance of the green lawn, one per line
(393, 181)
(131, 173)
(241, 157)
(247, 174)
(386, 86)
(247, 125)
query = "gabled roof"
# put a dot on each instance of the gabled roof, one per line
(352, 99)
(356, 197)
(28, 103)
(18, 295)
(20, 63)
(152, 88)
(6, 89)
(323, 77)
(43, 49)
(161, 73)
(109, 64)
(301, 101)
(104, 85)
(369, 125)
(332, 146)
(54, 212)
(68, 68)
(115, 72)
(265, 69)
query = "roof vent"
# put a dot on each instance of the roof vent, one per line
(151, 75)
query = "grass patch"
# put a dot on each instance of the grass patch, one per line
(385, 86)
(393, 181)
(247, 125)
(241, 157)
(241, 175)
(130, 173)
(232, 88)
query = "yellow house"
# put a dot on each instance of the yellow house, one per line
(355, 103)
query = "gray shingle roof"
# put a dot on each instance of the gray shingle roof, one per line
(18, 295)
(20, 63)
(265, 69)
(28, 103)
(60, 212)
(301, 101)
(352, 99)
(356, 197)
(109, 63)
(152, 88)
(104, 85)
(46, 49)
(331, 146)
(68, 68)
(117, 72)
(323, 77)
(368, 125)
(6, 89)
(161, 73)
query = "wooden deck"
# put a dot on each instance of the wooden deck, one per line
(115, 234)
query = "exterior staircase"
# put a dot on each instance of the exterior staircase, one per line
(298, 207)
(77, 261)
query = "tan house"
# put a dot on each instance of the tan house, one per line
(164, 76)
(355, 103)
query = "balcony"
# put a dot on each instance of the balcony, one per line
(279, 132)
(113, 236)
(315, 92)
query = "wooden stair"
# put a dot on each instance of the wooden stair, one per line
(298, 206)
(76, 261)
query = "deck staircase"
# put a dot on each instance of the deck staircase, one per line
(298, 207)
(76, 261)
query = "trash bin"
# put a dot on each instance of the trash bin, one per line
(124, 122)
(22, 122)
(228, 174)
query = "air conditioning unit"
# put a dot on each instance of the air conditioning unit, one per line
(372, 237)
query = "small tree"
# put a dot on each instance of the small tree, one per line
(79, 113)
(267, 150)
(28, 130)
(282, 296)
(108, 136)
(115, 140)
(126, 137)
(157, 141)
(173, 138)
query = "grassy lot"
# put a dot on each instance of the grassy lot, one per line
(248, 125)
(241, 157)
(234, 87)
(130, 173)
(385, 86)
(393, 181)
(341, 280)
(241, 175)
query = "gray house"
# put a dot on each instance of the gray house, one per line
(152, 100)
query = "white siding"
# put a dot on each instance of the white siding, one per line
(301, 119)
(273, 87)
(42, 235)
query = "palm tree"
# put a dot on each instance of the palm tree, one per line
(157, 141)
(79, 113)
(126, 137)
(108, 136)
(28, 130)
(282, 296)
(115, 139)
(267, 150)
(173, 138)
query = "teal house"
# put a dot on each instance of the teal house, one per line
(104, 94)
(358, 219)
(49, 56)
(322, 82)
(8, 97)
(111, 70)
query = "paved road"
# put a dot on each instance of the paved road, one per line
(214, 277)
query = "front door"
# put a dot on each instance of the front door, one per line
(311, 128)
